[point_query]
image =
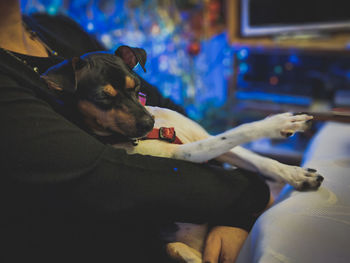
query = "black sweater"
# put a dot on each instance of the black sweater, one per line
(54, 175)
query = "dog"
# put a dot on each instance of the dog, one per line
(107, 93)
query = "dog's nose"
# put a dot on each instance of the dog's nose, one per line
(145, 124)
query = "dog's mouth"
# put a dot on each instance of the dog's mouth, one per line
(140, 130)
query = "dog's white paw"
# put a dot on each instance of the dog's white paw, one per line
(284, 125)
(300, 178)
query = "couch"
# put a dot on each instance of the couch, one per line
(312, 226)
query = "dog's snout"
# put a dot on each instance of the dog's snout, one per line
(145, 124)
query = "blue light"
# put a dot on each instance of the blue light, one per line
(348, 74)
(163, 63)
(243, 54)
(226, 62)
(52, 10)
(90, 26)
(294, 59)
(243, 68)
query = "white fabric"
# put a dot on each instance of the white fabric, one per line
(313, 226)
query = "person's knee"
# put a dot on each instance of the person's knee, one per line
(257, 195)
(269, 204)
(271, 201)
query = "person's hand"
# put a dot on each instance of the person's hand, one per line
(223, 244)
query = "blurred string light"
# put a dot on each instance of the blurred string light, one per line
(289, 66)
(274, 80)
(90, 26)
(243, 54)
(278, 69)
(53, 8)
(294, 59)
(243, 68)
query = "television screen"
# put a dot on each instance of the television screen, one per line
(273, 17)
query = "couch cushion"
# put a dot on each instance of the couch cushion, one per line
(312, 226)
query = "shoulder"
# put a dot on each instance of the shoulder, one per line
(53, 21)
(65, 33)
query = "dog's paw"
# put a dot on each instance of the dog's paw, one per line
(285, 124)
(180, 252)
(300, 178)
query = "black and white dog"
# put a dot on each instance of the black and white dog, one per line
(107, 92)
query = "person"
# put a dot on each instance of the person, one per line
(67, 196)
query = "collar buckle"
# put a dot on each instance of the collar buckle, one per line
(167, 134)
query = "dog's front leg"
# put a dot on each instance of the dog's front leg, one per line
(277, 126)
(300, 178)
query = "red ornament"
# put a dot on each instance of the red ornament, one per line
(214, 7)
(194, 48)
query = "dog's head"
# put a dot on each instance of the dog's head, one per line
(107, 90)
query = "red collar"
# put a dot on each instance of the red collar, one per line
(164, 133)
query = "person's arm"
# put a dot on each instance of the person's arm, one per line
(50, 165)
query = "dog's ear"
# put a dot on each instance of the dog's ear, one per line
(78, 63)
(63, 76)
(132, 55)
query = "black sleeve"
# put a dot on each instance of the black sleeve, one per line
(52, 169)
